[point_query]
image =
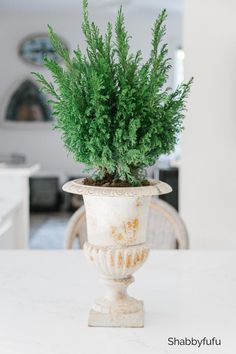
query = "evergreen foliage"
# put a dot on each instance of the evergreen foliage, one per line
(112, 108)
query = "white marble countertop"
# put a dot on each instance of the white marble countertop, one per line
(7, 205)
(20, 170)
(45, 297)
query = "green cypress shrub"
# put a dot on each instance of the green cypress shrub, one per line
(113, 109)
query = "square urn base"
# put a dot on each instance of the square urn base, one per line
(128, 320)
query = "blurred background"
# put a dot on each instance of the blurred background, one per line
(201, 37)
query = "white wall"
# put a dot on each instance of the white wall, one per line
(44, 145)
(208, 173)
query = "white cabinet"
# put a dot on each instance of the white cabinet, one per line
(9, 211)
(6, 233)
(14, 206)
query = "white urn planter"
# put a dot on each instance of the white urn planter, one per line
(116, 226)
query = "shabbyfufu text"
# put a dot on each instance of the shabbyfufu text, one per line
(196, 342)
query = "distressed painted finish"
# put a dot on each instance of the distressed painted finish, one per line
(116, 263)
(116, 226)
(118, 221)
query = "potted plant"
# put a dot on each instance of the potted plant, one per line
(116, 117)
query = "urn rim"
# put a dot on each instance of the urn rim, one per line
(156, 187)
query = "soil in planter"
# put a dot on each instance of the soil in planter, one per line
(108, 181)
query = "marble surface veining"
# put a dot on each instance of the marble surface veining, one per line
(45, 297)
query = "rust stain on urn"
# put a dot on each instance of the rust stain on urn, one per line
(135, 223)
(127, 232)
(120, 237)
(119, 260)
(136, 258)
(128, 261)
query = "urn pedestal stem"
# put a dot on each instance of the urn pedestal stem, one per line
(116, 289)
(116, 299)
